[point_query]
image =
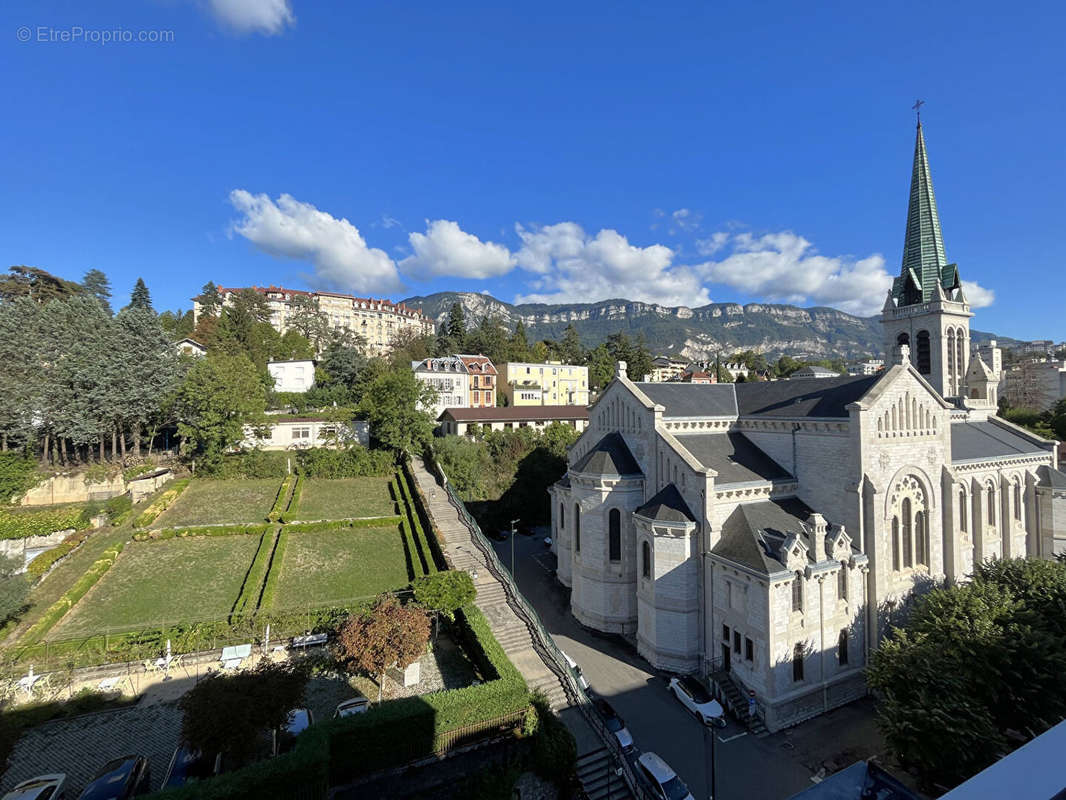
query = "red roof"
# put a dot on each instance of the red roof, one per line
(516, 413)
(224, 290)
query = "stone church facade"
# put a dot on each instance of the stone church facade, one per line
(764, 533)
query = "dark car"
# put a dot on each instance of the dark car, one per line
(121, 779)
(615, 724)
(299, 720)
(188, 765)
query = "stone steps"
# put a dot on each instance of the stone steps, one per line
(596, 771)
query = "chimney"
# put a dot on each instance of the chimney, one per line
(818, 525)
(620, 369)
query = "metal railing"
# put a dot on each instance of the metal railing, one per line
(544, 644)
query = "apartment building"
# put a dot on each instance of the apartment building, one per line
(550, 384)
(450, 377)
(481, 376)
(377, 321)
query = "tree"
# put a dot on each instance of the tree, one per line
(210, 300)
(97, 285)
(228, 713)
(294, 346)
(218, 398)
(489, 339)
(14, 588)
(36, 284)
(311, 323)
(570, 349)
(140, 298)
(445, 592)
(456, 326)
(392, 403)
(601, 367)
(976, 669)
(388, 635)
(518, 346)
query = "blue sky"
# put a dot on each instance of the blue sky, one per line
(674, 153)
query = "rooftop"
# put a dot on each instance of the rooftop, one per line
(976, 440)
(733, 457)
(754, 533)
(692, 399)
(610, 456)
(516, 413)
(667, 506)
(804, 397)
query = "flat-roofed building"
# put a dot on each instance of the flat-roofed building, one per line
(560, 384)
(468, 421)
(292, 376)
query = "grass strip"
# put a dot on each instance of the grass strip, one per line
(252, 588)
(281, 502)
(161, 503)
(270, 587)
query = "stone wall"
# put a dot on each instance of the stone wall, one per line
(72, 489)
(25, 550)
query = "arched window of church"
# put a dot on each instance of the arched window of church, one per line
(924, 354)
(1017, 501)
(842, 582)
(577, 528)
(797, 592)
(908, 524)
(951, 351)
(990, 490)
(562, 517)
(903, 339)
(797, 662)
(895, 543)
(645, 559)
(921, 539)
(960, 357)
(963, 511)
(614, 535)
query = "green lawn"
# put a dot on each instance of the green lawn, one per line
(179, 579)
(340, 565)
(208, 502)
(345, 498)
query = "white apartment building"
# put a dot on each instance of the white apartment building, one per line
(550, 384)
(292, 376)
(377, 321)
(450, 377)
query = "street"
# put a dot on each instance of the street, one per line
(772, 767)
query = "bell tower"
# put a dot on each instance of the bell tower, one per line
(926, 308)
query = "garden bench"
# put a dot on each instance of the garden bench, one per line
(310, 639)
(233, 655)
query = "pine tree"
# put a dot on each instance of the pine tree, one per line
(457, 326)
(140, 298)
(571, 350)
(519, 344)
(97, 285)
(209, 299)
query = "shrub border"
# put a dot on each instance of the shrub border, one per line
(162, 503)
(163, 534)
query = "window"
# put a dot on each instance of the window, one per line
(903, 339)
(728, 594)
(725, 633)
(842, 647)
(925, 364)
(797, 593)
(614, 525)
(908, 557)
(842, 582)
(921, 549)
(962, 511)
(991, 491)
(562, 517)
(736, 641)
(797, 663)
(301, 433)
(1017, 501)
(577, 528)
(749, 649)
(645, 560)
(895, 543)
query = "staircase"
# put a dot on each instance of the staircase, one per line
(595, 770)
(737, 702)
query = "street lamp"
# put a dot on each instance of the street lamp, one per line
(514, 523)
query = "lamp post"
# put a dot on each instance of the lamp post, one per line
(514, 524)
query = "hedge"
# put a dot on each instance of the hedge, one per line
(161, 503)
(162, 534)
(281, 501)
(425, 523)
(44, 561)
(266, 600)
(23, 524)
(336, 524)
(316, 462)
(59, 608)
(248, 599)
(119, 508)
(427, 555)
(18, 472)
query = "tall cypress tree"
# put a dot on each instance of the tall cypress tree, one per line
(457, 325)
(140, 298)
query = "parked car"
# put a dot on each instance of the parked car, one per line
(357, 705)
(547, 541)
(188, 765)
(615, 724)
(662, 780)
(695, 697)
(300, 719)
(576, 670)
(43, 787)
(121, 779)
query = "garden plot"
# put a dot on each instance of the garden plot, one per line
(208, 502)
(344, 498)
(191, 579)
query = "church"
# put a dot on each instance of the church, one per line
(765, 534)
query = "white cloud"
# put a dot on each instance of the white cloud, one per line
(573, 267)
(978, 296)
(337, 251)
(446, 249)
(686, 220)
(268, 17)
(708, 247)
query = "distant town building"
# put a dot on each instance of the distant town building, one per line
(377, 321)
(467, 421)
(285, 432)
(869, 367)
(449, 376)
(190, 347)
(481, 375)
(699, 377)
(292, 376)
(664, 368)
(813, 371)
(549, 384)
(1037, 347)
(737, 369)
(1037, 385)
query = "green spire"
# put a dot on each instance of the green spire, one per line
(924, 263)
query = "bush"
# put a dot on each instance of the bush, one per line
(119, 508)
(18, 473)
(248, 598)
(273, 569)
(446, 592)
(201, 530)
(22, 524)
(161, 503)
(281, 501)
(352, 462)
(337, 524)
(250, 464)
(44, 561)
(554, 748)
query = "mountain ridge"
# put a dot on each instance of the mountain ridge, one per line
(700, 332)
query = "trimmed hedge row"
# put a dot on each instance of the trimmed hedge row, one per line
(248, 599)
(294, 501)
(420, 508)
(161, 503)
(59, 608)
(266, 600)
(163, 534)
(44, 561)
(316, 462)
(426, 553)
(336, 524)
(23, 524)
(281, 501)
(119, 508)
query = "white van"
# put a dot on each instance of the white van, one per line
(574, 668)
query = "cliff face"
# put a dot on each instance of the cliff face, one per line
(696, 333)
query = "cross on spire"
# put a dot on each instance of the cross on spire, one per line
(918, 110)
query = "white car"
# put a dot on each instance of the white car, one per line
(357, 705)
(578, 675)
(661, 779)
(43, 787)
(698, 700)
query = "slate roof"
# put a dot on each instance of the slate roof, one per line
(803, 397)
(667, 506)
(863, 779)
(975, 440)
(733, 457)
(692, 399)
(1049, 476)
(610, 456)
(753, 534)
